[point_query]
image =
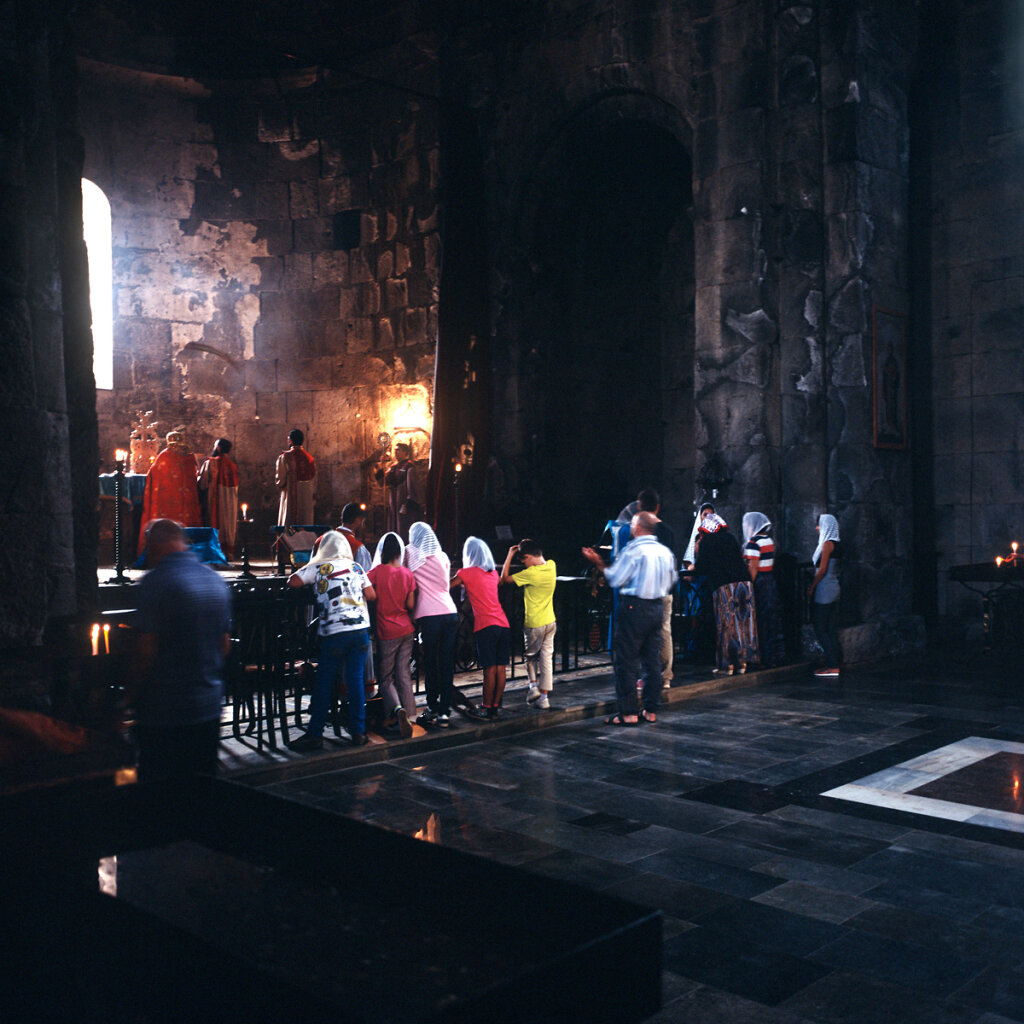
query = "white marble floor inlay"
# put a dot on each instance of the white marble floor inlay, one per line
(892, 787)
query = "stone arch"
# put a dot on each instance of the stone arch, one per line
(596, 329)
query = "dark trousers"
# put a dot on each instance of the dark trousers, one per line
(824, 619)
(437, 649)
(636, 652)
(177, 751)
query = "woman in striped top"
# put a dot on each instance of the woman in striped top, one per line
(759, 553)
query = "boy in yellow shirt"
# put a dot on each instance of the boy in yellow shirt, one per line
(538, 580)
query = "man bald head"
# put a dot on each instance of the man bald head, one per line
(644, 523)
(164, 536)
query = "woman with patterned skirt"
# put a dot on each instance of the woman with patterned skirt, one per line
(720, 560)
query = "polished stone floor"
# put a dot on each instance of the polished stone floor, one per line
(797, 836)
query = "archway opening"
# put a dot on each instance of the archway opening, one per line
(607, 356)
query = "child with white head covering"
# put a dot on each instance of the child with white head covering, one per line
(436, 619)
(396, 597)
(490, 625)
(824, 594)
(690, 554)
(342, 589)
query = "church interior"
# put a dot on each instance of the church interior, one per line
(758, 254)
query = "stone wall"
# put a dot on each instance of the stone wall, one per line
(792, 121)
(976, 228)
(276, 254)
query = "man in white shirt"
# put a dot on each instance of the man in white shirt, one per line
(644, 573)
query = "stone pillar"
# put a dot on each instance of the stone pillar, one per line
(799, 259)
(36, 511)
(865, 56)
(736, 371)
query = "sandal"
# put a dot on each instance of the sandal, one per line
(648, 716)
(619, 720)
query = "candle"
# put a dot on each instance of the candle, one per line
(106, 636)
(999, 560)
(245, 509)
(95, 639)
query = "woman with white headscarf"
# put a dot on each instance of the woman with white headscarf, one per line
(824, 594)
(396, 597)
(342, 589)
(436, 619)
(690, 554)
(719, 559)
(759, 554)
(490, 625)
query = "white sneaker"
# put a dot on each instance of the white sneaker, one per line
(533, 695)
(542, 702)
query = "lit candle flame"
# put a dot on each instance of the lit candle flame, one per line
(120, 455)
(245, 510)
(1013, 547)
(106, 636)
(95, 634)
(999, 559)
(1016, 785)
(458, 467)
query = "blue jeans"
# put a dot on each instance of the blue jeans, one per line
(341, 650)
(825, 619)
(437, 649)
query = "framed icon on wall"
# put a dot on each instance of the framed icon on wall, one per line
(889, 379)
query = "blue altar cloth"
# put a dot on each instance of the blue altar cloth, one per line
(133, 489)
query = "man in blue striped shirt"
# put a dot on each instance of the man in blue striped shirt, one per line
(644, 573)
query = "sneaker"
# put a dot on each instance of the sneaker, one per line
(307, 741)
(542, 702)
(442, 721)
(826, 673)
(427, 718)
(722, 671)
(667, 685)
(532, 695)
(496, 713)
(480, 713)
(404, 725)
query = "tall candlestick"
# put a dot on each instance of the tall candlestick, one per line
(106, 637)
(95, 639)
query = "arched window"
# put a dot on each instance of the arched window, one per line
(96, 221)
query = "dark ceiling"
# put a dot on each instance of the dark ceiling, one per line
(241, 38)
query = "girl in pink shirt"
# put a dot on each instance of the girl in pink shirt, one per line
(490, 626)
(436, 619)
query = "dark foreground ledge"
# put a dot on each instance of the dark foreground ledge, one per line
(234, 905)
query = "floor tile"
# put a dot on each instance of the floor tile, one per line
(903, 963)
(812, 901)
(774, 927)
(733, 965)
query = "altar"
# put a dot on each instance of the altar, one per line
(1001, 588)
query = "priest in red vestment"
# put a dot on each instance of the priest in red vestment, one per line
(171, 490)
(218, 481)
(295, 474)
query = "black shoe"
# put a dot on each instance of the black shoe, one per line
(480, 713)
(307, 741)
(359, 740)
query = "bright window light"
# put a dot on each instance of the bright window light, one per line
(96, 220)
